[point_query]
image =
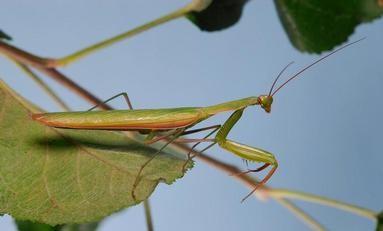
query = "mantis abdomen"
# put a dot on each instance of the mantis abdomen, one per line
(151, 119)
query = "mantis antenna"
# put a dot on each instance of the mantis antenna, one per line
(312, 64)
(279, 75)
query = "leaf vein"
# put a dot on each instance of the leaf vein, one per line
(78, 181)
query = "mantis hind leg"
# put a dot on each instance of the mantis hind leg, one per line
(176, 133)
(154, 137)
(124, 94)
(189, 155)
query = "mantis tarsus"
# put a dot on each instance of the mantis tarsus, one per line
(172, 123)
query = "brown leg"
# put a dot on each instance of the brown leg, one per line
(151, 141)
(201, 129)
(182, 140)
(253, 170)
(118, 95)
(189, 155)
(156, 138)
(261, 183)
(176, 134)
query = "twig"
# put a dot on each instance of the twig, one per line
(108, 42)
(261, 193)
(22, 56)
(284, 193)
(28, 58)
(66, 82)
(148, 215)
(43, 85)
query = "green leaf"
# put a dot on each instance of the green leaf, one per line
(59, 176)
(220, 14)
(4, 36)
(80, 227)
(32, 226)
(319, 25)
(379, 225)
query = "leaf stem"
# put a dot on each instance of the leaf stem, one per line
(284, 193)
(148, 215)
(299, 213)
(23, 56)
(193, 6)
(250, 182)
(43, 85)
(28, 58)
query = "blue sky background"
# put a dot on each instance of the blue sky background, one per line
(325, 128)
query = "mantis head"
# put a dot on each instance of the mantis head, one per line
(265, 101)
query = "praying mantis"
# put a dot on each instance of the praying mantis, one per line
(172, 123)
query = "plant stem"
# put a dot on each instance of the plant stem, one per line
(28, 58)
(43, 85)
(23, 56)
(148, 215)
(250, 182)
(299, 213)
(284, 193)
(110, 41)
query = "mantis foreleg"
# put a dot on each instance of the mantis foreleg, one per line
(244, 151)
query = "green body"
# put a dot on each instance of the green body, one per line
(165, 119)
(151, 119)
(142, 119)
